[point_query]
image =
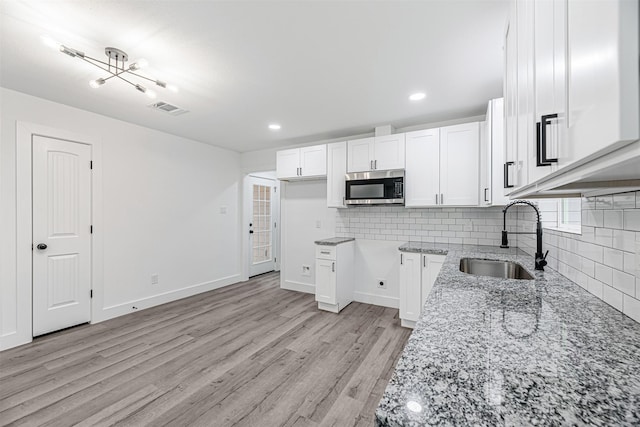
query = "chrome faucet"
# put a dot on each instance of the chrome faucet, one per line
(540, 260)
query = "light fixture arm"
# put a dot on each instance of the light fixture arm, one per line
(115, 70)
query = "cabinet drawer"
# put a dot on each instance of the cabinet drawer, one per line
(325, 252)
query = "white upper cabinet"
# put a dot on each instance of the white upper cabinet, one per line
(459, 164)
(550, 99)
(572, 83)
(313, 160)
(360, 155)
(389, 152)
(288, 163)
(336, 170)
(602, 76)
(376, 153)
(495, 129)
(485, 161)
(305, 162)
(422, 173)
(443, 166)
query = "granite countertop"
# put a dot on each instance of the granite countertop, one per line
(334, 241)
(492, 352)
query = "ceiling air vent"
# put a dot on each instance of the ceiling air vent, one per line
(168, 108)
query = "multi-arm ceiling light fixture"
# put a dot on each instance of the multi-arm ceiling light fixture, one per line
(115, 66)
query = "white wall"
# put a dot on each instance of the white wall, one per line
(162, 196)
(305, 218)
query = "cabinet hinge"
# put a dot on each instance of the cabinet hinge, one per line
(91, 293)
(275, 189)
(90, 164)
(275, 225)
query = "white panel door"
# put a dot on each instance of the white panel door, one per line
(288, 163)
(389, 152)
(360, 155)
(459, 164)
(326, 281)
(507, 168)
(410, 286)
(261, 227)
(313, 160)
(422, 173)
(61, 234)
(336, 170)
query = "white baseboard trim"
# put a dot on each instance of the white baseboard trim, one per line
(297, 286)
(14, 339)
(382, 300)
(163, 298)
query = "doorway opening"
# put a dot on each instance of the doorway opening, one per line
(262, 218)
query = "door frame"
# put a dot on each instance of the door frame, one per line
(24, 223)
(244, 230)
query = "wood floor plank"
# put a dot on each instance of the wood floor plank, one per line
(244, 355)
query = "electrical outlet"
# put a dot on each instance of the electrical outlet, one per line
(306, 270)
(382, 284)
(154, 279)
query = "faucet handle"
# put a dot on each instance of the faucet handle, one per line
(545, 255)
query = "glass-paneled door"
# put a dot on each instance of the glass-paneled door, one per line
(261, 227)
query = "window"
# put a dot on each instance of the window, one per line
(561, 214)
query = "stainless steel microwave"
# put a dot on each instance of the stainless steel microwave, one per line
(375, 188)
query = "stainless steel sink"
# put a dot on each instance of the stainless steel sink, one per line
(494, 268)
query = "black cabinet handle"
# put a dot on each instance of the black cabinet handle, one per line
(539, 148)
(485, 195)
(41, 246)
(544, 122)
(506, 174)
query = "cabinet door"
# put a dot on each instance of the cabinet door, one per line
(389, 152)
(485, 160)
(459, 164)
(326, 281)
(410, 286)
(526, 144)
(313, 160)
(336, 170)
(431, 266)
(360, 155)
(497, 152)
(422, 173)
(510, 155)
(549, 40)
(603, 87)
(287, 163)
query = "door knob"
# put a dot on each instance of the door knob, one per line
(41, 246)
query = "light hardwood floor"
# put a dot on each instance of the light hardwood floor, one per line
(250, 354)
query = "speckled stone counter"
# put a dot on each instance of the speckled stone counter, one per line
(334, 241)
(504, 352)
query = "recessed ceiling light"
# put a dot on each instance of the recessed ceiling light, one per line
(274, 126)
(417, 96)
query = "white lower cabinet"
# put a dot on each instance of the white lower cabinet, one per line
(418, 273)
(334, 276)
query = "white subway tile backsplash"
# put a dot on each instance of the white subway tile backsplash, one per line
(613, 258)
(624, 240)
(613, 219)
(624, 200)
(593, 218)
(630, 265)
(624, 282)
(604, 202)
(632, 219)
(604, 274)
(595, 287)
(613, 297)
(631, 307)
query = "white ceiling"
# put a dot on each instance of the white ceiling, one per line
(322, 69)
